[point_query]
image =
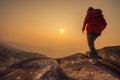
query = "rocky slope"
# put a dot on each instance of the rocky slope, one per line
(80, 69)
(21, 65)
(111, 54)
(9, 55)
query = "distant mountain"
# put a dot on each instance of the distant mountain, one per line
(15, 44)
(10, 43)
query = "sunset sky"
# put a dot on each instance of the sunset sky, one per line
(53, 27)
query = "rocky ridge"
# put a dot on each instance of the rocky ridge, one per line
(21, 65)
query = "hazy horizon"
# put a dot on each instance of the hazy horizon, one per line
(53, 27)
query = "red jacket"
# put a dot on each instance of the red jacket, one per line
(94, 22)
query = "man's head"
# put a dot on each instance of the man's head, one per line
(90, 9)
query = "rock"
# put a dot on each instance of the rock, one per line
(9, 55)
(80, 69)
(111, 54)
(35, 69)
(21, 65)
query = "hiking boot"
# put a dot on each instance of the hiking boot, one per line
(93, 61)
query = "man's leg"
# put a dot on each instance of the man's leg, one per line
(91, 37)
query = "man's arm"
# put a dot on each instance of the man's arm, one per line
(85, 22)
(83, 28)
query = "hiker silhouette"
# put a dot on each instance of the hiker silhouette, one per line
(94, 24)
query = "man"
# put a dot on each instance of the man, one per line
(94, 24)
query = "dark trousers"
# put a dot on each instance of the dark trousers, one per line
(91, 37)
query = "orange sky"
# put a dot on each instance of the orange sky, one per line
(35, 25)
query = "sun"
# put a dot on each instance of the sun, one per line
(62, 31)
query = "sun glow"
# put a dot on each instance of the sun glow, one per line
(62, 30)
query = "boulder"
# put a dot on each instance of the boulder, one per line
(111, 54)
(10, 55)
(79, 68)
(34, 69)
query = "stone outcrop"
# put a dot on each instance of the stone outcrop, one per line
(73, 67)
(9, 55)
(111, 54)
(34, 69)
(80, 69)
